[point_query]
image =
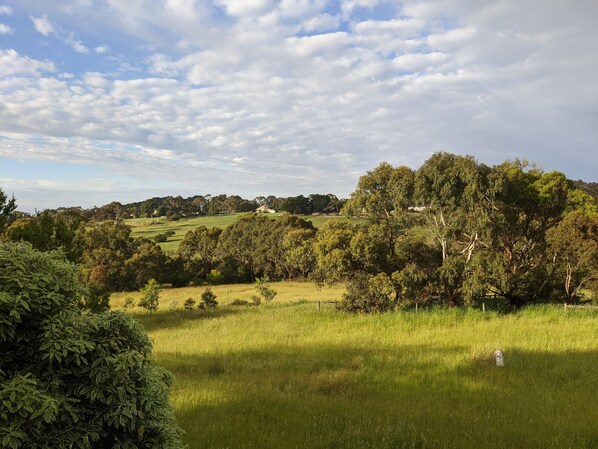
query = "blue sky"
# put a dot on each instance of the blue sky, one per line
(104, 100)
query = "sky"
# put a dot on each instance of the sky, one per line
(111, 100)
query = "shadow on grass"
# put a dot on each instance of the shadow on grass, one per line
(177, 318)
(412, 397)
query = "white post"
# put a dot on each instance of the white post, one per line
(500, 357)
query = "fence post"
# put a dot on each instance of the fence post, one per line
(565, 307)
(483, 307)
(318, 305)
(416, 308)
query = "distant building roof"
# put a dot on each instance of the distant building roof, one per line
(264, 209)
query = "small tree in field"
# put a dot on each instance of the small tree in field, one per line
(189, 304)
(150, 296)
(262, 285)
(208, 298)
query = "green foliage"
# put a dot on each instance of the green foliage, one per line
(458, 230)
(160, 238)
(69, 380)
(299, 255)
(7, 207)
(215, 277)
(150, 296)
(197, 250)
(382, 193)
(128, 303)
(47, 231)
(189, 304)
(367, 293)
(146, 262)
(262, 286)
(575, 245)
(94, 300)
(208, 298)
(334, 261)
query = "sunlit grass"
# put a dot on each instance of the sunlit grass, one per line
(283, 375)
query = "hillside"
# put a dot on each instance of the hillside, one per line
(150, 227)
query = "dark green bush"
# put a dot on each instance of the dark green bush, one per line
(366, 293)
(189, 304)
(68, 379)
(208, 298)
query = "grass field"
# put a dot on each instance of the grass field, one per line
(283, 375)
(149, 227)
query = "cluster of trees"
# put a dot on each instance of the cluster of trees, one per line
(175, 207)
(456, 230)
(110, 259)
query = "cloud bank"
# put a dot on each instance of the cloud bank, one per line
(294, 96)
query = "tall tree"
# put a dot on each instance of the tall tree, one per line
(575, 245)
(383, 193)
(198, 251)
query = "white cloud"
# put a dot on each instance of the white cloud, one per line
(102, 49)
(43, 26)
(321, 22)
(11, 64)
(75, 43)
(242, 8)
(94, 79)
(5, 29)
(243, 96)
(6, 10)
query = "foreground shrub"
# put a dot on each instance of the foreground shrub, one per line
(68, 379)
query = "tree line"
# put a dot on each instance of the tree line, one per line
(452, 232)
(176, 207)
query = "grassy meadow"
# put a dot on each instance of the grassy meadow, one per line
(283, 375)
(150, 227)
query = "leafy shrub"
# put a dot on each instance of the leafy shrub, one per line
(189, 304)
(256, 300)
(69, 379)
(129, 303)
(239, 302)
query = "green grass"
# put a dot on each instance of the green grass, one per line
(283, 375)
(150, 227)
